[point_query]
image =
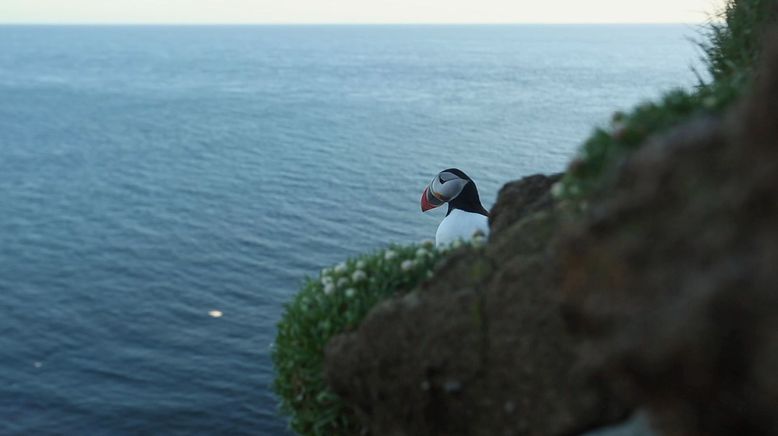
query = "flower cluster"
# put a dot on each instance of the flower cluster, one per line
(361, 275)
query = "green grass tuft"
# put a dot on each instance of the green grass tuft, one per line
(734, 40)
(732, 48)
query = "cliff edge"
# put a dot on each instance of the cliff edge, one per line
(661, 296)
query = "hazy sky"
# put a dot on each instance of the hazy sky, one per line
(355, 11)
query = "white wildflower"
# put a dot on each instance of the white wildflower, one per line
(329, 289)
(557, 190)
(326, 271)
(421, 253)
(343, 281)
(361, 264)
(456, 244)
(407, 265)
(350, 292)
(479, 240)
(326, 280)
(341, 268)
(389, 255)
(358, 276)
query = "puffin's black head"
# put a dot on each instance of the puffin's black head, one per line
(454, 187)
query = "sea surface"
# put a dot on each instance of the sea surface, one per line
(150, 175)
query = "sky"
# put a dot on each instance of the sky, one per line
(355, 11)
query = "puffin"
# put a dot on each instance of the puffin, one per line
(466, 216)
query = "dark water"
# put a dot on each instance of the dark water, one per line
(150, 175)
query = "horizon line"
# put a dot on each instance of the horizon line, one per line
(420, 23)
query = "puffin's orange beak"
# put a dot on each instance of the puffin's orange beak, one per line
(429, 201)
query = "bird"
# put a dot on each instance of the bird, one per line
(466, 216)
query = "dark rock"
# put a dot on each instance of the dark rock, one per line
(521, 198)
(672, 279)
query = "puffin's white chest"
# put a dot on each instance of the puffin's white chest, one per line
(461, 225)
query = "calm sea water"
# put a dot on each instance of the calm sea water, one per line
(149, 175)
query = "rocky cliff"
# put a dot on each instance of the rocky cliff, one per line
(662, 295)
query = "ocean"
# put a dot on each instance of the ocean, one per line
(150, 175)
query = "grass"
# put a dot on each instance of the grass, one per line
(733, 44)
(732, 47)
(333, 303)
